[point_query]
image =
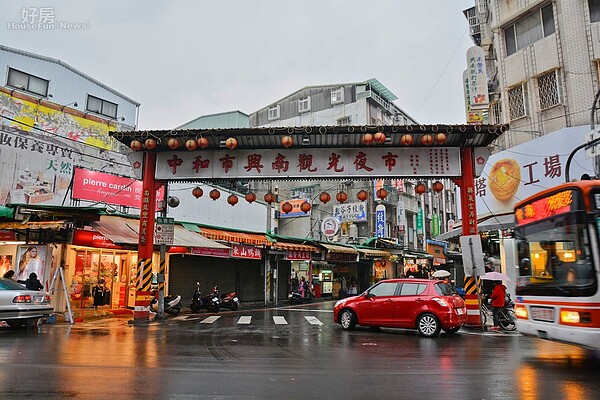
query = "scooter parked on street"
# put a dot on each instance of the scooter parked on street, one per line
(229, 300)
(172, 304)
(210, 302)
(296, 297)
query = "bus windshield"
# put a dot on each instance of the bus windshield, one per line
(555, 257)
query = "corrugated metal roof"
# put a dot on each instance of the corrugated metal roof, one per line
(322, 136)
(382, 90)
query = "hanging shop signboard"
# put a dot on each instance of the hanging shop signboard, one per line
(380, 221)
(355, 212)
(309, 163)
(297, 255)
(208, 252)
(93, 239)
(241, 251)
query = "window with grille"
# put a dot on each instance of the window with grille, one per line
(517, 101)
(27, 82)
(337, 95)
(594, 6)
(344, 121)
(529, 29)
(99, 106)
(273, 113)
(495, 113)
(549, 89)
(304, 105)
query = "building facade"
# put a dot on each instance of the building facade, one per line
(542, 60)
(409, 218)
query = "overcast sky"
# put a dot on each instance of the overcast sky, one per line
(182, 59)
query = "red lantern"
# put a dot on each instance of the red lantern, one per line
(406, 140)
(440, 138)
(382, 193)
(231, 143)
(437, 186)
(341, 197)
(324, 197)
(214, 194)
(173, 143)
(426, 140)
(362, 195)
(203, 142)
(136, 145)
(232, 199)
(150, 144)
(191, 144)
(367, 139)
(269, 197)
(250, 197)
(379, 138)
(420, 188)
(197, 192)
(287, 207)
(287, 141)
(305, 207)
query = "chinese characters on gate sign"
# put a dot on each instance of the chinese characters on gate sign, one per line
(288, 163)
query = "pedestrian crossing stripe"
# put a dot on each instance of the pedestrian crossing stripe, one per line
(210, 320)
(279, 320)
(245, 320)
(313, 320)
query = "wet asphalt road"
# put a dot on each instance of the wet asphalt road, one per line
(307, 357)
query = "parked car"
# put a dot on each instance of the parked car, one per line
(422, 304)
(19, 306)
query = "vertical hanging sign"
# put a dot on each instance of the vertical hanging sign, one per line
(420, 221)
(435, 225)
(477, 78)
(380, 221)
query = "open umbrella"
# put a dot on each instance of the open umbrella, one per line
(494, 276)
(440, 273)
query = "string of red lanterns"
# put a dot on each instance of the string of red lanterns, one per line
(231, 143)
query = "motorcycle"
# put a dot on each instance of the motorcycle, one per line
(210, 302)
(295, 296)
(229, 300)
(172, 304)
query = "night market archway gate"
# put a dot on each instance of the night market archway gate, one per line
(458, 152)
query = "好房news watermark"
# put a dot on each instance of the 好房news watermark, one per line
(42, 18)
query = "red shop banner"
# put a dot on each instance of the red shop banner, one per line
(241, 251)
(207, 252)
(93, 239)
(297, 255)
(7, 235)
(107, 188)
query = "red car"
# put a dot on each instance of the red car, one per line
(422, 304)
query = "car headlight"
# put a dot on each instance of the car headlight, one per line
(340, 303)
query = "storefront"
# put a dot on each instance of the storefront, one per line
(341, 269)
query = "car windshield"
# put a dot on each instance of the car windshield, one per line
(444, 289)
(7, 284)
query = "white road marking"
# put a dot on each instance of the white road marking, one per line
(307, 310)
(313, 320)
(244, 320)
(279, 320)
(180, 317)
(210, 320)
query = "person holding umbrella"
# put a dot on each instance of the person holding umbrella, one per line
(498, 297)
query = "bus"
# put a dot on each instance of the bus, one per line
(558, 252)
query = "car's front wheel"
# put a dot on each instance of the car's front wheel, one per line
(16, 323)
(347, 320)
(428, 325)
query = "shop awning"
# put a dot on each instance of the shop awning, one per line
(294, 247)
(118, 229)
(489, 223)
(339, 249)
(122, 230)
(236, 237)
(52, 225)
(373, 253)
(7, 212)
(183, 237)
